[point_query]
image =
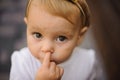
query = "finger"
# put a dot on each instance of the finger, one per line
(52, 66)
(46, 60)
(58, 72)
(61, 71)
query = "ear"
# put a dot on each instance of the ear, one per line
(81, 34)
(83, 31)
(25, 20)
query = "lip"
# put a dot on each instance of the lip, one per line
(53, 61)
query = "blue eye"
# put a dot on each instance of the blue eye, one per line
(37, 35)
(61, 38)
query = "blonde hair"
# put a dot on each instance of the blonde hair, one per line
(65, 8)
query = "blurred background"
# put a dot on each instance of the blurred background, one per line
(12, 32)
(103, 36)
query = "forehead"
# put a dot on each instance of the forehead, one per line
(70, 13)
(42, 18)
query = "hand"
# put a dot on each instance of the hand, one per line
(49, 70)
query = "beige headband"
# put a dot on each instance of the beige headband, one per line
(28, 5)
(74, 1)
(78, 5)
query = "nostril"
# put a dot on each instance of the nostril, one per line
(52, 51)
(47, 50)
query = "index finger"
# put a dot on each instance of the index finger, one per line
(46, 60)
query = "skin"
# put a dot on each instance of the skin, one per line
(51, 39)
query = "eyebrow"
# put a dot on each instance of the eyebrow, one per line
(34, 27)
(37, 28)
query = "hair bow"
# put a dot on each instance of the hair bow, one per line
(74, 1)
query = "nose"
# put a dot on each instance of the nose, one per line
(47, 46)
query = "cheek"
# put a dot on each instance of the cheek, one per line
(63, 54)
(32, 46)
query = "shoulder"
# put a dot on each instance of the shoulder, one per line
(85, 55)
(23, 65)
(80, 57)
(84, 51)
(85, 58)
(23, 57)
(80, 64)
(23, 54)
(88, 53)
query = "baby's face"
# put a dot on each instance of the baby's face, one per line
(47, 33)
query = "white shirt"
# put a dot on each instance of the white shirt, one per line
(79, 66)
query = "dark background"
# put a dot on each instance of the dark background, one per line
(12, 32)
(105, 26)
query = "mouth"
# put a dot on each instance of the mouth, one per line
(54, 61)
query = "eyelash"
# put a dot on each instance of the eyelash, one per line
(36, 35)
(60, 38)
